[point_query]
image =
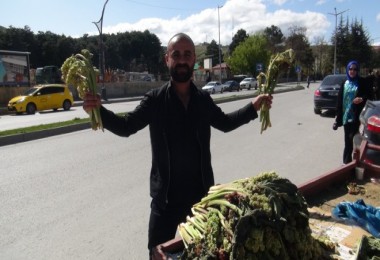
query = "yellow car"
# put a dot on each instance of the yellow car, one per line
(42, 97)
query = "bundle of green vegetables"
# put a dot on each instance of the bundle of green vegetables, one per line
(268, 81)
(262, 217)
(77, 70)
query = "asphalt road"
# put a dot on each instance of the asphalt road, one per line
(85, 195)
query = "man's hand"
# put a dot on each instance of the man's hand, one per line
(256, 102)
(358, 100)
(91, 101)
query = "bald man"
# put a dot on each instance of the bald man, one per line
(180, 117)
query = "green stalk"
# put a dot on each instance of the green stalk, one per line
(186, 238)
(197, 223)
(220, 194)
(227, 204)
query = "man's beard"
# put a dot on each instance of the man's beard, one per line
(181, 76)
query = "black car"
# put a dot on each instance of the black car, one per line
(325, 96)
(231, 85)
(370, 130)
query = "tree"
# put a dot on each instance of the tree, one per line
(133, 51)
(248, 54)
(352, 44)
(342, 44)
(212, 51)
(240, 36)
(298, 41)
(48, 50)
(360, 48)
(323, 64)
(275, 38)
(66, 46)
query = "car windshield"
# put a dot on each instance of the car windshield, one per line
(30, 91)
(333, 80)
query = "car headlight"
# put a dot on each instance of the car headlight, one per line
(20, 100)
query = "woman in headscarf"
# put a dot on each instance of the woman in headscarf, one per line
(352, 97)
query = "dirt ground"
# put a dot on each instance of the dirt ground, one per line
(347, 237)
(367, 190)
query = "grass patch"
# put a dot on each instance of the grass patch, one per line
(36, 128)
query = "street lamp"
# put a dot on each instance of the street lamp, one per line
(99, 25)
(220, 56)
(336, 24)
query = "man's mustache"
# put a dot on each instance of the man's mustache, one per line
(179, 66)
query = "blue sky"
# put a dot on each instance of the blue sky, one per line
(198, 18)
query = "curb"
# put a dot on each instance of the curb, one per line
(13, 139)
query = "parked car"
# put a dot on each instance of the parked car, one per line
(42, 97)
(231, 85)
(325, 96)
(370, 129)
(213, 87)
(248, 83)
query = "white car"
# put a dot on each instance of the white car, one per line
(248, 83)
(212, 87)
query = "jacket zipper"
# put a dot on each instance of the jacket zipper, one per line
(169, 170)
(201, 159)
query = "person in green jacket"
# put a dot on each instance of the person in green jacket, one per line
(352, 97)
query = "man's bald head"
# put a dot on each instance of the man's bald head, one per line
(179, 37)
(180, 58)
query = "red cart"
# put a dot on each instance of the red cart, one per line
(309, 189)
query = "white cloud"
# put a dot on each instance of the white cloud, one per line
(250, 15)
(320, 2)
(378, 17)
(279, 2)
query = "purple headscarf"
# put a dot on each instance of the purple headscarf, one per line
(353, 62)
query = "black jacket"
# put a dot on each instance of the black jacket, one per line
(152, 111)
(364, 91)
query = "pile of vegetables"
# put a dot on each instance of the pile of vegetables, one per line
(78, 71)
(268, 81)
(369, 248)
(262, 217)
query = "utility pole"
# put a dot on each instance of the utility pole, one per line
(220, 56)
(99, 25)
(335, 36)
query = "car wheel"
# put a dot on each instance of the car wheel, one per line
(249, 87)
(213, 91)
(31, 108)
(317, 111)
(256, 86)
(221, 90)
(66, 105)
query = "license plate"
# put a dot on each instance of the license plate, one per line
(333, 94)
